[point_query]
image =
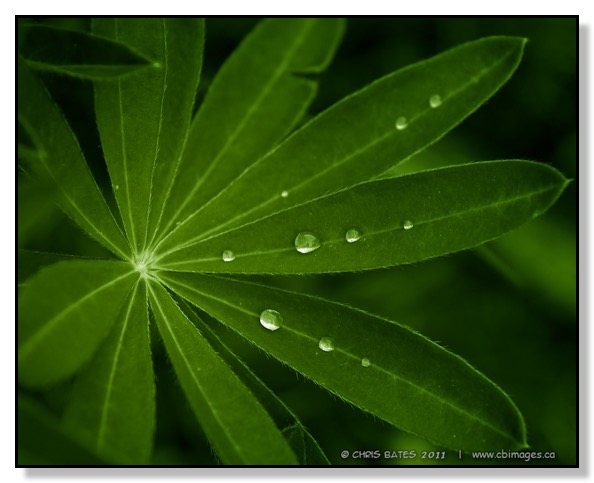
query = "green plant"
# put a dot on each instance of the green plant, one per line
(206, 203)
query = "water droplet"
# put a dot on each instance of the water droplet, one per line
(408, 225)
(116, 187)
(326, 344)
(435, 101)
(271, 319)
(353, 235)
(307, 242)
(177, 223)
(365, 362)
(401, 123)
(228, 256)
(284, 193)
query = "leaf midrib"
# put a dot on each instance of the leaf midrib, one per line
(158, 141)
(474, 79)
(125, 157)
(114, 363)
(336, 241)
(352, 356)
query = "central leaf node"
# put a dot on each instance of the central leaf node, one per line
(142, 263)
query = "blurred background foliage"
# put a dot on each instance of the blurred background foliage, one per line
(508, 307)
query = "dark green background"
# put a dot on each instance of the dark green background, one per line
(510, 309)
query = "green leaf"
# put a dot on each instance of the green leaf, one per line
(359, 137)
(239, 428)
(256, 98)
(61, 160)
(113, 403)
(143, 119)
(377, 365)
(398, 220)
(42, 441)
(78, 54)
(65, 311)
(304, 445)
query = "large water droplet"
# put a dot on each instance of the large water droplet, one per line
(307, 242)
(353, 235)
(116, 187)
(365, 362)
(271, 319)
(284, 193)
(228, 256)
(326, 344)
(401, 123)
(435, 101)
(408, 225)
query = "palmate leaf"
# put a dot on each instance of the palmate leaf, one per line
(378, 365)
(361, 136)
(112, 406)
(304, 446)
(78, 54)
(143, 120)
(256, 98)
(65, 311)
(239, 428)
(383, 223)
(61, 160)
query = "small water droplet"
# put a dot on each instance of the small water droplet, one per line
(228, 256)
(307, 242)
(284, 193)
(353, 235)
(401, 123)
(177, 223)
(116, 187)
(435, 101)
(326, 344)
(271, 319)
(365, 362)
(408, 225)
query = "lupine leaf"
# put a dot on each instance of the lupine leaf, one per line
(78, 54)
(384, 222)
(65, 311)
(143, 119)
(361, 136)
(112, 406)
(305, 447)
(239, 428)
(61, 160)
(256, 98)
(380, 366)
